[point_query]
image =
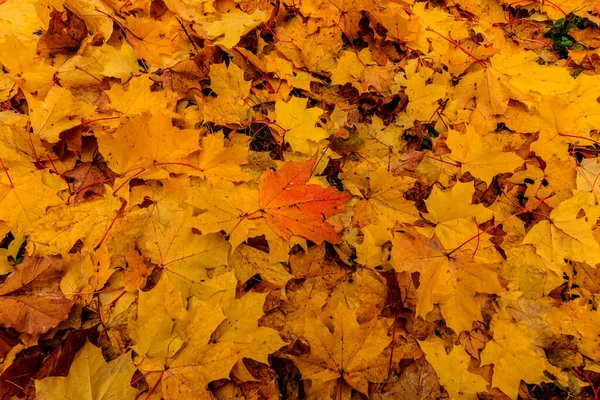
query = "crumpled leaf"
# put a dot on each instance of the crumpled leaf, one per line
(30, 298)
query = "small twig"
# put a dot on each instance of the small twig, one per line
(187, 34)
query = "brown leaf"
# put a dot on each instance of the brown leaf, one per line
(65, 33)
(17, 377)
(88, 181)
(30, 298)
(587, 37)
(58, 363)
(8, 340)
(563, 353)
(417, 382)
(474, 340)
(70, 140)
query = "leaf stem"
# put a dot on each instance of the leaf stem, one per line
(111, 225)
(94, 77)
(7, 175)
(460, 47)
(496, 225)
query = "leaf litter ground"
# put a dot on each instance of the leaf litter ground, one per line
(294, 199)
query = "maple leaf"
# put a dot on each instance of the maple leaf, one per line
(183, 254)
(575, 318)
(155, 40)
(481, 160)
(382, 196)
(65, 33)
(91, 378)
(228, 81)
(152, 330)
(451, 369)
(299, 123)
(188, 362)
(59, 230)
(59, 111)
(313, 264)
(147, 141)
(217, 162)
(351, 352)
(492, 91)
(247, 262)
(137, 98)
(513, 355)
(292, 206)
(422, 98)
(154, 158)
(226, 207)
(30, 297)
(220, 27)
(450, 281)
(455, 216)
(568, 232)
(241, 325)
(24, 198)
(397, 21)
(86, 273)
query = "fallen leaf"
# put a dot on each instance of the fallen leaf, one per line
(293, 207)
(31, 298)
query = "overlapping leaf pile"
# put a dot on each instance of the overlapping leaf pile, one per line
(299, 199)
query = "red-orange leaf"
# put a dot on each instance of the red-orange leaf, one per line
(293, 207)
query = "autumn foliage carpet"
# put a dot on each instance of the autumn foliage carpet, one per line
(292, 199)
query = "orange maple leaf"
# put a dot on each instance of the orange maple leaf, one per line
(293, 207)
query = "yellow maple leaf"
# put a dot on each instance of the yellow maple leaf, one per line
(226, 29)
(91, 378)
(514, 357)
(451, 369)
(568, 233)
(147, 143)
(577, 319)
(351, 352)
(25, 198)
(241, 323)
(299, 123)
(183, 253)
(228, 81)
(449, 281)
(137, 98)
(178, 354)
(59, 111)
(455, 216)
(480, 159)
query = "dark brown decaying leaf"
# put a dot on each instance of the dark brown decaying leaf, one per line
(65, 33)
(58, 363)
(17, 378)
